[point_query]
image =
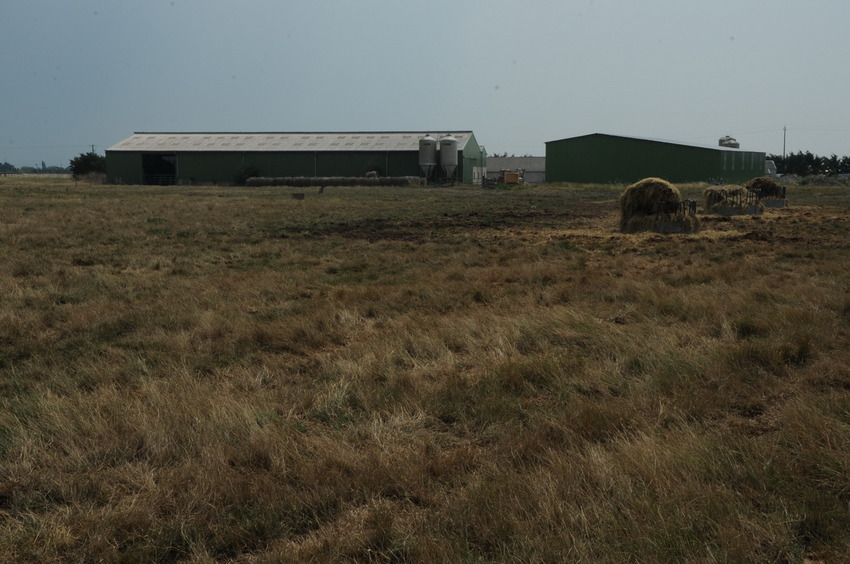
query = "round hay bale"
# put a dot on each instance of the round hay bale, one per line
(765, 187)
(645, 199)
(728, 195)
(732, 200)
(717, 194)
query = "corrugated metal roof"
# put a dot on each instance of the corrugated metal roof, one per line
(294, 141)
(665, 141)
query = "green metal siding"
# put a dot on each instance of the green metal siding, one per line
(350, 164)
(609, 159)
(470, 156)
(208, 168)
(123, 168)
(403, 163)
(222, 167)
(282, 163)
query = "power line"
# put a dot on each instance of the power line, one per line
(822, 128)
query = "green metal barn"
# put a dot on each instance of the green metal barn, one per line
(221, 158)
(607, 159)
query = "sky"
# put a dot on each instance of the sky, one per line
(77, 74)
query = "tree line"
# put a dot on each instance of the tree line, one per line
(84, 163)
(807, 164)
(7, 168)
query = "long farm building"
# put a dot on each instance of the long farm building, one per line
(599, 158)
(223, 158)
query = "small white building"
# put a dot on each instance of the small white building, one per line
(770, 168)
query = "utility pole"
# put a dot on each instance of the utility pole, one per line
(784, 128)
(92, 149)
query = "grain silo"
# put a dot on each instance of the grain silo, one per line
(728, 141)
(448, 156)
(427, 155)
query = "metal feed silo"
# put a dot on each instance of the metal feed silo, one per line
(448, 155)
(727, 141)
(427, 155)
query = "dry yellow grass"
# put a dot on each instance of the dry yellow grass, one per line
(418, 374)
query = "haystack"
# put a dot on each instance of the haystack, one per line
(768, 191)
(765, 187)
(714, 195)
(731, 200)
(653, 204)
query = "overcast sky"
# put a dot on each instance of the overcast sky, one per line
(77, 73)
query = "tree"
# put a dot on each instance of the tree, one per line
(844, 166)
(87, 163)
(831, 164)
(806, 164)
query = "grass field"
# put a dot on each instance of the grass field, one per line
(419, 374)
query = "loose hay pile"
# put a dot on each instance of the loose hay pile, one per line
(769, 192)
(717, 194)
(653, 204)
(731, 200)
(765, 187)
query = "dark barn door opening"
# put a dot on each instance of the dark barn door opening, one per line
(159, 168)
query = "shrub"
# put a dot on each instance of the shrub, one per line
(87, 163)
